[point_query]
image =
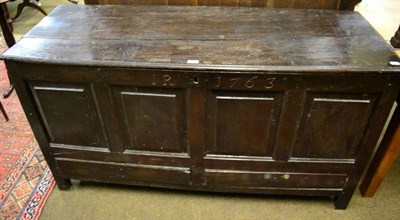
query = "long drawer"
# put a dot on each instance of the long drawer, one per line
(123, 172)
(229, 178)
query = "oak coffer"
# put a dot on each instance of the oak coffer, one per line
(225, 99)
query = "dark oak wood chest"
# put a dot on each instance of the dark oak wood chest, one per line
(206, 98)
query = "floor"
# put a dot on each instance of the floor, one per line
(106, 201)
(383, 15)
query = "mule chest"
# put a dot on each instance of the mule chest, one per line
(250, 100)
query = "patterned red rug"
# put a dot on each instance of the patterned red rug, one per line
(25, 179)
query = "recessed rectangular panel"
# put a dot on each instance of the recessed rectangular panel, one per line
(332, 126)
(153, 119)
(242, 123)
(69, 113)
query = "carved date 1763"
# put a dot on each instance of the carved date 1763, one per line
(267, 83)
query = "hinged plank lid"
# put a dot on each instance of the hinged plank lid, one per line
(191, 37)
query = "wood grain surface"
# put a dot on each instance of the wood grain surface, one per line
(315, 4)
(226, 37)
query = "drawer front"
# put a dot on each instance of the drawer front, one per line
(123, 172)
(228, 178)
